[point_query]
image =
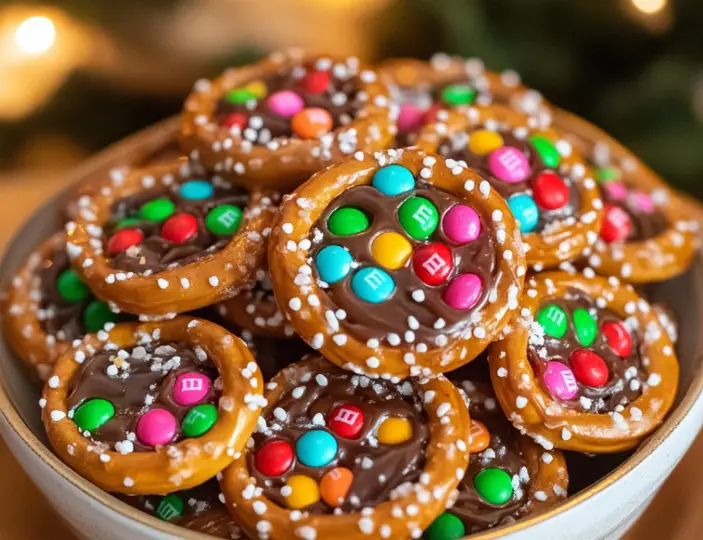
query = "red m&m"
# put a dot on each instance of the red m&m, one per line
(274, 458)
(589, 368)
(346, 421)
(123, 240)
(315, 82)
(234, 119)
(550, 191)
(180, 228)
(619, 339)
(433, 263)
(616, 224)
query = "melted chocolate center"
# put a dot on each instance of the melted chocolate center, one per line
(647, 222)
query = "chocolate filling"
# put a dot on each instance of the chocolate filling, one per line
(313, 389)
(645, 224)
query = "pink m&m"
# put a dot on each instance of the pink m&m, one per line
(642, 201)
(410, 117)
(509, 164)
(461, 224)
(156, 427)
(617, 191)
(560, 380)
(286, 103)
(463, 292)
(190, 388)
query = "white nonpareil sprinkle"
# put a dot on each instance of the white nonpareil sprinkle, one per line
(214, 281)
(502, 372)
(521, 402)
(295, 304)
(54, 382)
(128, 482)
(57, 416)
(162, 283)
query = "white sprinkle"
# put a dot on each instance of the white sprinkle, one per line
(162, 283)
(54, 382)
(57, 415)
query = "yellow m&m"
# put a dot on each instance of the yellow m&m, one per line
(391, 250)
(304, 491)
(395, 431)
(335, 486)
(258, 88)
(483, 142)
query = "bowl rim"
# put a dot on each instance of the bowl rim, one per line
(14, 420)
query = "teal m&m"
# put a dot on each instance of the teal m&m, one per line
(494, 486)
(224, 220)
(585, 326)
(419, 217)
(524, 209)
(372, 285)
(199, 420)
(316, 448)
(92, 414)
(96, 315)
(239, 96)
(346, 221)
(554, 321)
(446, 527)
(458, 94)
(71, 288)
(547, 151)
(157, 210)
(196, 190)
(333, 263)
(393, 180)
(127, 223)
(171, 506)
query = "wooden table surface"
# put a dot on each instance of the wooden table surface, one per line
(24, 514)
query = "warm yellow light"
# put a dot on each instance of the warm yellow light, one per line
(35, 35)
(649, 6)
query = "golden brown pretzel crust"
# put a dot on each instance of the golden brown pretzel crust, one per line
(211, 279)
(563, 242)
(178, 466)
(266, 319)
(290, 164)
(310, 321)
(20, 324)
(550, 478)
(543, 418)
(444, 462)
(662, 257)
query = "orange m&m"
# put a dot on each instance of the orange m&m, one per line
(335, 486)
(480, 438)
(311, 123)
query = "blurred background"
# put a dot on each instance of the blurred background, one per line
(76, 75)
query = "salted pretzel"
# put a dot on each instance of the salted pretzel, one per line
(422, 88)
(338, 455)
(396, 264)
(509, 476)
(168, 239)
(153, 408)
(275, 123)
(586, 366)
(648, 232)
(548, 189)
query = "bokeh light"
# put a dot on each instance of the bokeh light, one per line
(35, 35)
(649, 7)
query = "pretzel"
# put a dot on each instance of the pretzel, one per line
(586, 366)
(317, 111)
(340, 485)
(175, 404)
(547, 187)
(424, 297)
(163, 240)
(648, 233)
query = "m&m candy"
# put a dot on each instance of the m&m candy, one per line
(346, 421)
(484, 141)
(589, 368)
(433, 263)
(607, 174)
(333, 263)
(123, 240)
(560, 380)
(274, 458)
(618, 337)
(461, 224)
(157, 210)
(494, 486)
(96, 315)
(445, 527)
(335, 486)
(430, 116)
(180, 228)
(616, 191)
(524, 209)
(311, 123)
(410, 118)
(224, 220)
(257, 88)
(285, 103)
(234, 120)
(509, 164)
(554, 321)
(239, 96)
(616, 225)
(419, 217)
(304, 491)
(316, 448)
(391, 250)
(458, 94)
(393, 180)
(71, 288)
(585, 326)
(464, 291)
(550, 191)
(190, 388)
(196, 190)
(480, 437)
(171, 506)
(127, 222)
(395, 431)
(315, 82)
(546, 150)
(92, 414)
(642, 202)
(199, 420)
(346, 221)
(156, 427)
(372, 285)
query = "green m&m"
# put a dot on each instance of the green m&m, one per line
(554, 321)
(157, 210)
(458, 94)
(126, 223)
(547, 151)
(92, 414)
(171, 506)
(96, 315)
(347, 221)
(586, 327)
(224, 220)
(71, 288)
(445, 527)
(494, 486)
(419, 217)
(239, 96)
(607, 174)
(199, 420)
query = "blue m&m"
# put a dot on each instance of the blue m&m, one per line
(372, 285)
(316, 448)
(393, 180)
(333, 263)
(196, 190)
(525, 210)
